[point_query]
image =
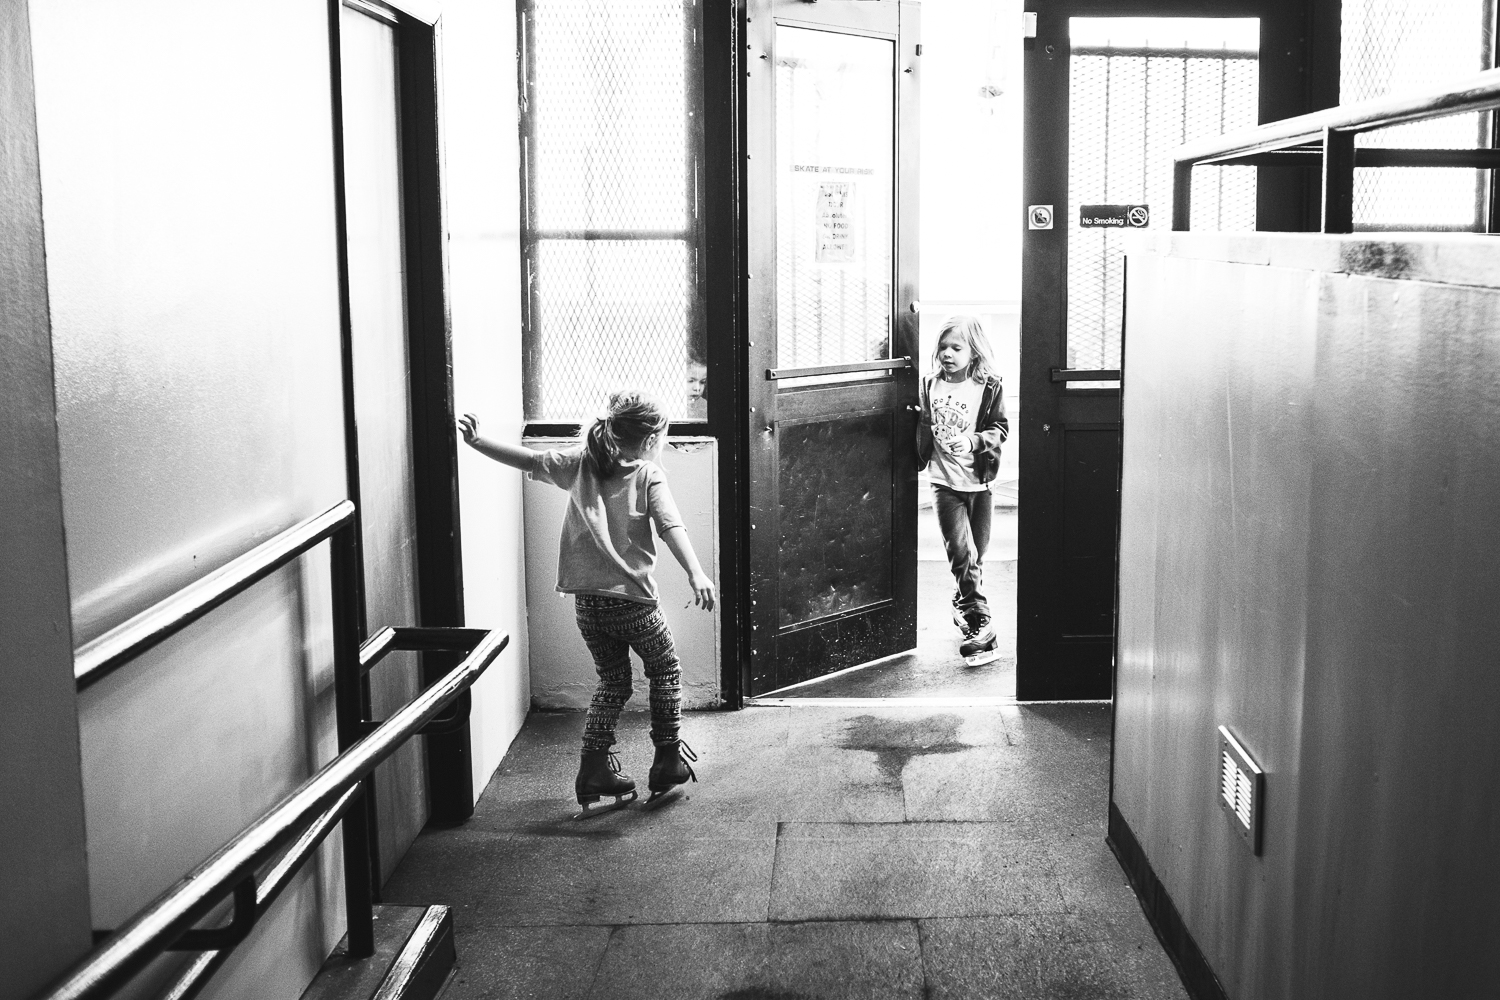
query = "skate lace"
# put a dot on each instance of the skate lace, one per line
(614, 762)
(686, 753)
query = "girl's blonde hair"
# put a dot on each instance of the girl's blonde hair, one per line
(630, 418)
(972, 331)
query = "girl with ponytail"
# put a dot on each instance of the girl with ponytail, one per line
(617, 493)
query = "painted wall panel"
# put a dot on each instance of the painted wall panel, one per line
(191, 254)
(562, 672)
(186, 161)
(1307, 557)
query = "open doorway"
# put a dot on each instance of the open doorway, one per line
(1107, 100)
(970, 192)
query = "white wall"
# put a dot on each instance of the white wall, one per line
(478, 41)
(971, 151)
(187, 178)
(562, 672)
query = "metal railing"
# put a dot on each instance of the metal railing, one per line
(286, 835)
(1326, 139)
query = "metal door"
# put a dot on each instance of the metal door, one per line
(831, 223)
(1109, 145)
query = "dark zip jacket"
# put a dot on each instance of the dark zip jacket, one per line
(991, 428)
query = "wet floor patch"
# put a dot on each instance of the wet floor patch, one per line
(896, 742)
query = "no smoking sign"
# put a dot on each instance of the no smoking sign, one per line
(1039, 217)
(1114, 216)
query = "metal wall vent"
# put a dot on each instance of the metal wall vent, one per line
(1242, 787)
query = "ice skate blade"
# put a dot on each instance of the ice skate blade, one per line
(980, 659)
(594, 807)
(665, 796)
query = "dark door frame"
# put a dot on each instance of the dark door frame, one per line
(1290, 83)
(440, 594)
(724, 242)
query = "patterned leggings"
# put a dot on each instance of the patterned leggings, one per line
(612, 627)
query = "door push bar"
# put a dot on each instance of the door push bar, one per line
(856, 366)
(1085, 374)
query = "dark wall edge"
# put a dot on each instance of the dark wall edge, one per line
(1197, 975)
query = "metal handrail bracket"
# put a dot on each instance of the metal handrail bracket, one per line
(171, 916)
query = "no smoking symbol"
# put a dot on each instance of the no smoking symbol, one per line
(1039, 217)
(1138, 216)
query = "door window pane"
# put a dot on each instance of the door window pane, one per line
(835, 196)
(1138, 88)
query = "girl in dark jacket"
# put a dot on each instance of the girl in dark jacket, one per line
(959, 433)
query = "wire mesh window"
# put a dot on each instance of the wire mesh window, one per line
(1398, 46)
(610, 236)
(1138, 88)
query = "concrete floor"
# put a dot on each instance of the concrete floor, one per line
(877, 851)
(825, 853)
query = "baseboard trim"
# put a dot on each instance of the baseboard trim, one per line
(1197, 975)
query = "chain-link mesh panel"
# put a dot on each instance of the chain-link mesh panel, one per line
(1395, 47)
(609, 314)
(607, 129)
(835, 153)
(608, 115)
(1127, 112)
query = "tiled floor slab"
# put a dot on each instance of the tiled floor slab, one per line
(1074, 724)
(1055, 792)
(512, 963)
(739, 755)
(602, 872)
(909, 870)
(1046, 957)
(1089, 874)
(805, 961)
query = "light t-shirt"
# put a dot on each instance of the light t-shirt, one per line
(607, 545)
(954, 407)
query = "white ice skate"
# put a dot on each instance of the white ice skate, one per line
(980, 645)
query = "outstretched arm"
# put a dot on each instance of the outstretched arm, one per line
(514, 455)
(682, 551)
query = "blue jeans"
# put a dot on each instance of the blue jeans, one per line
(965, 519)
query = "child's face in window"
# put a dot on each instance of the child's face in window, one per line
(953, 353)
(697, 381)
